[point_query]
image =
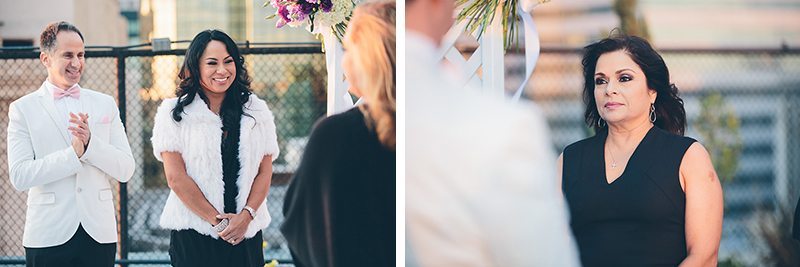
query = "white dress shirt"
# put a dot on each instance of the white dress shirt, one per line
(480, 175)
(65, 105)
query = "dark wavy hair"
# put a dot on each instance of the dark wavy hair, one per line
(237, 95)
(670, 114)
(232, 108)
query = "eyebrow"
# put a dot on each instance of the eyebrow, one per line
(213, 58)
(617, 72)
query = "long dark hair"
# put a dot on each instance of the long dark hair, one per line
(232, 108)
(237, 95)
(670, 114)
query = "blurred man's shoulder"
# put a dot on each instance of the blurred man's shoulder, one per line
(502, 113)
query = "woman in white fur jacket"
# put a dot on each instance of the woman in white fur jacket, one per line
(217, 203)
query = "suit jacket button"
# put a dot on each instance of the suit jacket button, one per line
(79, 189)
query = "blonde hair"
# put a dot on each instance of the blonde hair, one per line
(370, 39)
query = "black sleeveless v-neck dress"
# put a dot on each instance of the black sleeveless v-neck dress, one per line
(638, 219)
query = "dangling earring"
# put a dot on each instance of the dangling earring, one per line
(653, 113)
(599, 120)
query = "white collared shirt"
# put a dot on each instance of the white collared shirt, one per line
(65, 105)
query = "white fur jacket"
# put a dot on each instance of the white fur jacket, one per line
(197, 138)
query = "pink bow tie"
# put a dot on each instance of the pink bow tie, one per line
(74, 92)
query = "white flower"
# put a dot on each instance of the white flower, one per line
(340, 11)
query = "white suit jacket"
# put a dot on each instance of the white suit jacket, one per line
(480, 176)
(64, 190)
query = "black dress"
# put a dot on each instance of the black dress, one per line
(638, 219)
(340, 206)
(796, 223)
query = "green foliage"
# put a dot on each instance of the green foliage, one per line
(302, 103)
(730, 262)
(631, 21)
(152, 169)
(774, 228)
(298, 113)
(299, 105)
(718, 127)
(480, 13)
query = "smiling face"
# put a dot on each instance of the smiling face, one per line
(217, 69)
(65, 62)
(620, 89)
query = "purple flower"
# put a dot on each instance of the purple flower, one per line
(280, 23)
(306, 7)
(283, 16)
(326, 5)
(296, 15)
(283, 13)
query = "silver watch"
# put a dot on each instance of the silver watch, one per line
(221, 225)
(251, 211)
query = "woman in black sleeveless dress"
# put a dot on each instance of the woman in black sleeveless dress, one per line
(639, 192)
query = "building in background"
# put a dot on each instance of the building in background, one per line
(23, 21)
(681, 23)
(243, 20)
(129, 9)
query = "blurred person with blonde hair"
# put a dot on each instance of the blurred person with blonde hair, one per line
(340, 206)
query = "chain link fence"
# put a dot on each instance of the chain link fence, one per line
(742, 105)
(292, 80)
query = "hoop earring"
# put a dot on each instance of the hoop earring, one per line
(653, 116)
(598, 123)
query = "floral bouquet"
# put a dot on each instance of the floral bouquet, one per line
(480, 13)
(315, 15)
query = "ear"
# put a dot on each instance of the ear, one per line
(45, 59)
(653, 95)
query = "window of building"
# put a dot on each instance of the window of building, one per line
(17, 42)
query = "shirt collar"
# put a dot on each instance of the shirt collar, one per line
(420, 46)
(52, 87)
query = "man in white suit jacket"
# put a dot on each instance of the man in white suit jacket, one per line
(481, 184)
(65, 144)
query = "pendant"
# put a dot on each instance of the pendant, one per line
(613, 164)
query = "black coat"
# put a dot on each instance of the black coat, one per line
(340, 206)
(796, 227)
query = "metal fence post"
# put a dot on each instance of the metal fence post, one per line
(123, 187)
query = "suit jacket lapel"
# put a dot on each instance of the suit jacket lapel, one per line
(50, 108)
(87, 108)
